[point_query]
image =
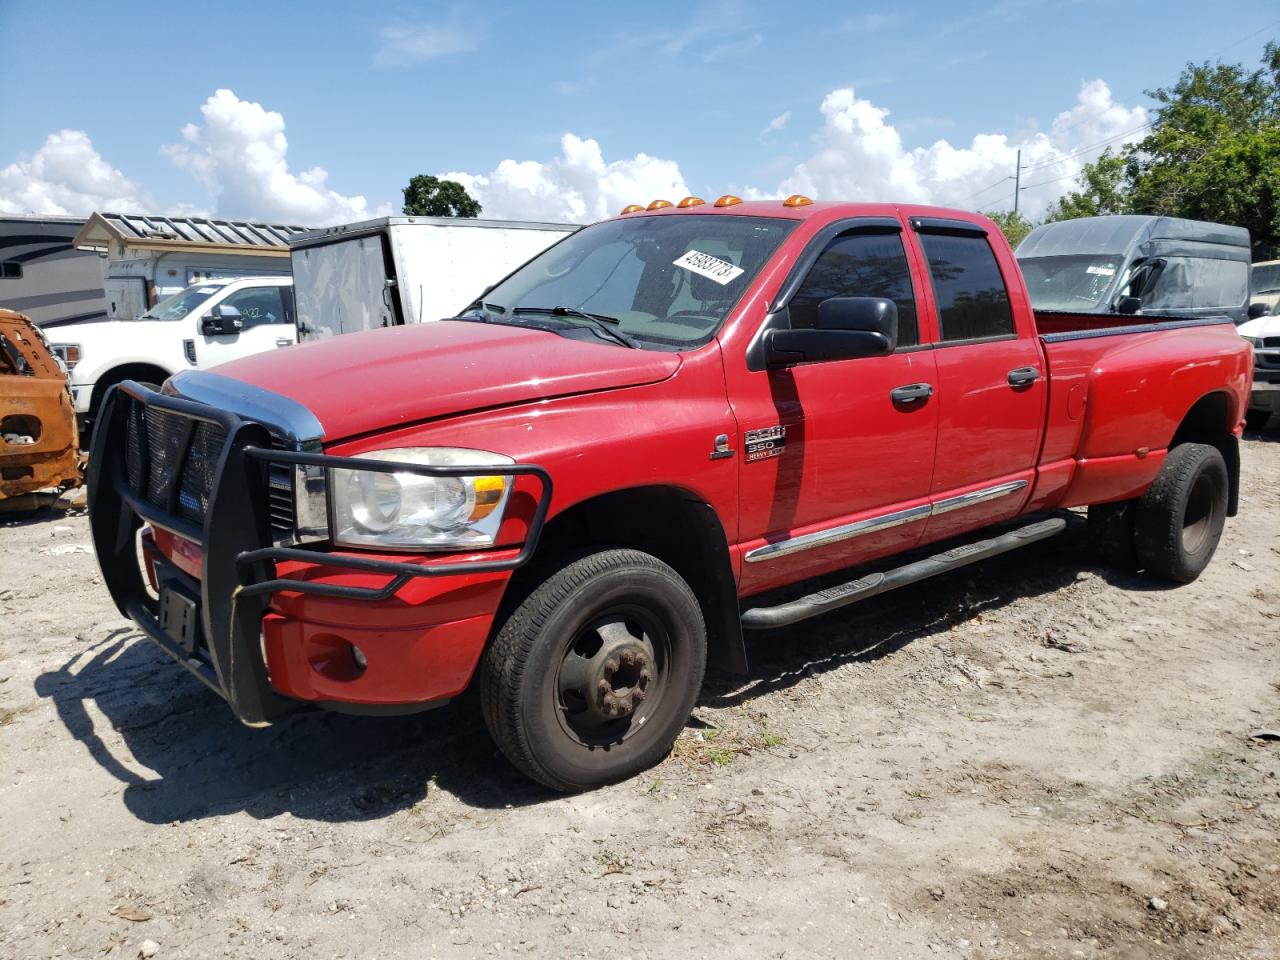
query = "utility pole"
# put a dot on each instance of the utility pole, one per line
(1017, 182)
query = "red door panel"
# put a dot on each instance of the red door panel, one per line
(850, 454)
(988, 433)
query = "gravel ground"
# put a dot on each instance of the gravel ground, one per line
(1034, 758)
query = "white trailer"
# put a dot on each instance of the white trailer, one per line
(394, 270)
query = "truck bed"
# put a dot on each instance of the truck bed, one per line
(1117, 394)
(1055, 325)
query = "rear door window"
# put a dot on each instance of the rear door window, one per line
(859, 265)
(973, 303)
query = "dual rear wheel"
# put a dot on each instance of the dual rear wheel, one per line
(1173, 529)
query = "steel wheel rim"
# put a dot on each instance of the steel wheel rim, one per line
(583, 664)
(1201, 513)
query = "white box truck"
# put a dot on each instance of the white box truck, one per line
(393, 270)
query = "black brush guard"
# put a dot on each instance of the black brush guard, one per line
(239, 558)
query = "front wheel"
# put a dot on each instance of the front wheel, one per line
(590, 680)
(1181, 516)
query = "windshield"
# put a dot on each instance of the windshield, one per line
(180, 304)
(663, 282)
(1069, 282)
(1266, 279)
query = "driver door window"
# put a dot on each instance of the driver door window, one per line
(257, 306)
(860, 265)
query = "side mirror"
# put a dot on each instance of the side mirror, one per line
(847, 328)
(1129, 305)
(222, 321)
(1257, 310)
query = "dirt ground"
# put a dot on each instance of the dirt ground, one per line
(1034, 758)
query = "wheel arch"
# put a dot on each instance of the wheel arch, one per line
(1212, 420)
(138, 370)
(673, 524)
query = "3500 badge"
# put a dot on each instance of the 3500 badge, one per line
(764, 443)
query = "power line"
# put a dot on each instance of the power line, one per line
(1236, 43)
(989, 187)
(1077, 151)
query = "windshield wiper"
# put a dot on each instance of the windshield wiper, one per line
(602, 323)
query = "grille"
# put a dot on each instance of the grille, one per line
(280, 493)
(1270, 343)
(161, 443)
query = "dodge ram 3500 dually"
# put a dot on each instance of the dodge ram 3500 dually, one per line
(584, 488)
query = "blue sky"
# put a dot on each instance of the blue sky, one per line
(375, 94)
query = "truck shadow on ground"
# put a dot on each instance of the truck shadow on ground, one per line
(181, 755)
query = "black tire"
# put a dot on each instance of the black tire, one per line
(1256, 419)
(617, 618)
(1112, 537)
(1180, 517)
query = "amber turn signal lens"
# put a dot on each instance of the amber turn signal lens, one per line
(489, 491)
(690, 202)
(728, 200)
(631, 208)
(658, 204)
(796, 200)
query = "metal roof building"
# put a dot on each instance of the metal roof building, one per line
(149, 257)
(115, 233)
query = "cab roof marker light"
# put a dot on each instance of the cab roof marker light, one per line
(690, 202)
(728, 200)
(631, 208)
(796, 200)
(658, 205)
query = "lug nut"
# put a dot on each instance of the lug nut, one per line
(604, 687)
(638, 695)
(611, 665)
(645, 676)
(629, 658)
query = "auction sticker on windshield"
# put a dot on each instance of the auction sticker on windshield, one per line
(705, 265)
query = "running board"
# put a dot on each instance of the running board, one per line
(833, 598)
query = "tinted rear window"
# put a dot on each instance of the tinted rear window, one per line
(973, 303)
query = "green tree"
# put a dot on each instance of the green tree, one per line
(1104, 190)
(1212, 153)
(432, 197)
(1014, 226)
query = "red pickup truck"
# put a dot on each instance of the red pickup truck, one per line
(585, 487)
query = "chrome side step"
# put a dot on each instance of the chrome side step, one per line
(833, 598)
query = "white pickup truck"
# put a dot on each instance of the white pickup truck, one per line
(208, 323)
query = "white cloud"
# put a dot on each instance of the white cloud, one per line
(776, 124)
(239, 154)
(67, 176)
(861, 156)
(577, 186)
(406, 44)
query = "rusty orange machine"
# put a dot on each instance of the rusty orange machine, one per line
(39, 443)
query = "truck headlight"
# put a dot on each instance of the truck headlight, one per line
(1252, 341)
(407, 511)
(68, 353)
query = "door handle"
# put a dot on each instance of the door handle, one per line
(1023, 376)
(283, 342)
(911, 393)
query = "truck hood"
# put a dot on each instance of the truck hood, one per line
(381, 379)
(1261, 327)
